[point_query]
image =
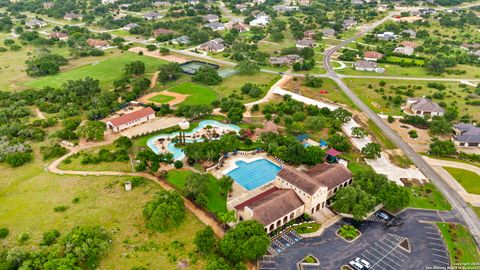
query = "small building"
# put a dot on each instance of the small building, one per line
(305, 43)
(285, 60)
(303, 2)
(214, 45)
(240, 27)
(35, 23)
(181, 40)
(130, 26)
(404, 50)
(48, 5)
(348, 23)
(407, 43)
(309, 34)
(152, 16)
(131, 119)
(466, 135)
(372, 56)
(328, 32)
(241, 7)
(364, 65)
(59, 35)
(97, 43)
(162, 31)
(424, 106)
(193, 2)
(161, 4)
(215, 26)
(70, 16)
(211, 18)
(262, 19)
(386, 36)
(382, 8)
(473, 46)
(106, 2)
(283, 8)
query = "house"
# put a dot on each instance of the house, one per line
(262, 21)
(372, 56)
(34, 23)
(427, 11)
(72, 16)
(283, 8)
(240, 27)
(214, 45)
(48, 5)
(285, 60)
(161, 4)
(240, 7)
(295, 193)
(181, 40)
(131, 119)
(309, 34)
(258, 1)
(97, 43)
(215, 26)
(328, 32)
(409, 33)
(305, 43)
(348, 23)
(386, 36)
(106, 2)
(404, 50)
(407, 43)
(364, 65)
(303, 2)
(424, 106)
(162, 31)
(453, 10)
(475, 53)
(466, 135)
(193, 2)
(130, 26)
(211, 18)
(59, 35)
(152, 16)
(382, 8)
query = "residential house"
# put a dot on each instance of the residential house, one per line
(241, 7)
(193, 2)
(211, 18)
(404, 50)
(215, 26)
(454, 10)
(285, 60)
(241, 27)
(97, 43)
(410, 33)
(72, 16)
(475, 53)
(407, 43)
(181, 40)
(35, 23)
(295, 193)
(328, 32)
(309, 34)
(348, 23)
(162, 31)
(130, 26)
(423, 106)
(466, 135)
(161, 4)
(303, 2)
(59, 35)
(48, 5)
(283, 8)
(382, 8)
(427, 11)
(258, 1)
(261, 20)
(214, 45)
(466, 46)
(152, 16)
(106, 2)
(372, 56)
(305, 43)
(386, 36)
(131, 119)
(364, 65)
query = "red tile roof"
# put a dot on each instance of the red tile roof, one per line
(162, 31)
(254, 199)
(132, 116)
(372, 55)
(410, 44)
(333, 152)
(96, 42)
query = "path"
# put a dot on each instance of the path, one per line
(453, 164)
(473, 199)
(39, 113)
(153, 82)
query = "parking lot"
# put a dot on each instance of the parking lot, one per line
(382, 244)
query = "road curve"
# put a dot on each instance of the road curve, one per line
(460, 208)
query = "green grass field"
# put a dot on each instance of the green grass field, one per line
(460, 244)
(161, 98)
(28, 195)
(216, 203)
(428, 197)
(468, 179)
(198, 94)
(233, 84)
(106, 71)
(397, 59)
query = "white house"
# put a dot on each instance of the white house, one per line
(131, 119)
(364, 65)
(34, 23)
(260, 21)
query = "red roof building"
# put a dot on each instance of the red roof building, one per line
(131, 119)
(410, 44)
(372, 56)
(162, 31)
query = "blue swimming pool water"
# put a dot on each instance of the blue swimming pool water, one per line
(254, 174)
(177, 152)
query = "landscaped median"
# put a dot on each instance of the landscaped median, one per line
(348, 233)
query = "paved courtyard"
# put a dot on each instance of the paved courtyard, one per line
(379, 244)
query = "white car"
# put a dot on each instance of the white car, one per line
(363, 262)
(356, 265)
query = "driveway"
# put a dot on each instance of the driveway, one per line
(379, 244)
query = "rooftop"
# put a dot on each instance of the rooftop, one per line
(131, 116)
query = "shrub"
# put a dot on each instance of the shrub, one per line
(49, 237)
(165, 211)
(178, 164)
(23, 237)
(413, 134)
(4, 232)
(60, 208)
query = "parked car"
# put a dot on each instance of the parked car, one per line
(382, 215)
(356, 265)
(363, 262)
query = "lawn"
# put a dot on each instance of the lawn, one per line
(197, 94)
(161, 98)
(460, 244)
(427, 196)
(379, 135)
(397, 59)
(106, 71)
(216, 203)
(306, 227)
(468, 179)
(28, 195)
(233, 84)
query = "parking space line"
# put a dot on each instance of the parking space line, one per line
(402, 256)
(394, 243)
(385, 266)
(373, 255)
(434, 238)
(437, 255)
(377, 255)
(434, 233)
(383, 248)
(441, 250)
(442, 262)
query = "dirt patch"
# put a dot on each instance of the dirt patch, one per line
(420, 144)
(178, 98)
(156, 54)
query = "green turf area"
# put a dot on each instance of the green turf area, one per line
(379, 135)
(427, 196)
(397, 59)
(161, 98)
(469, 180)
(306, 227)
(107, 71)
(197, 93)
(233, 84)
(216, 203)
(28, 196)
(460, 244)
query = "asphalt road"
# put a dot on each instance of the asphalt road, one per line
(461, 209)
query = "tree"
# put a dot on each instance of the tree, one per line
(217, 263)
(247, 67)
(4, 232)
(371, 150)
(312, 81)
(342, 115)
(17, 159)
(353, 200)
(169, 72)
(123, 142)
(165, 211)
(134, 68)
(246, 241)
(442, 148)
(92, 130)
(339, 142)
(359, 132)
(235, 115)
(315, 122)
(435, 66)
(207, 75)
(178, 164)
(440, 126)
(196, 187)
(44, 65)
(205, 241)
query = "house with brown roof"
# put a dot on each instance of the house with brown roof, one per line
(407, 43)
(214, 45)
(285, 60)
(162, 31)
(131, 119)
(240, 27)
(295, 193)
(364, 65)
(59, 35)
(97, 43)
(305, 43)
(423, 106)
(372, 56)
(72, 16)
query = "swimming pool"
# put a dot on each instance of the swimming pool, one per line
(177, 152)
(252, 174)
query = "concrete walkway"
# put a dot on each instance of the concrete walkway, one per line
(453, 164)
